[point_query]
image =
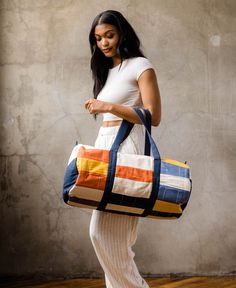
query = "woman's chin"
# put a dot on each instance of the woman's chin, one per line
(108, 54)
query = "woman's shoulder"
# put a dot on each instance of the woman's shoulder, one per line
(139, 59)
(140, 64)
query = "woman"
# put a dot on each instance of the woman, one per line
(123, 78)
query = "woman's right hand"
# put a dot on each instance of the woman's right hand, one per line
(95, 106)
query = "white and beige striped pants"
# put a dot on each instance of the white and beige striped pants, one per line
(113, 235)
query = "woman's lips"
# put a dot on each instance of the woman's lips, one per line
(106, 50)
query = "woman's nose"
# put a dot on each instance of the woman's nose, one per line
(104, 42)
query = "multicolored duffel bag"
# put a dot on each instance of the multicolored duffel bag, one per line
(131, 184)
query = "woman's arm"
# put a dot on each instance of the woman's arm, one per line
(150, 97)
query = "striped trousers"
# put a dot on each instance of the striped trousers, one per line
(113, 235)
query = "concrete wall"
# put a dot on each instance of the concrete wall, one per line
(45, 80)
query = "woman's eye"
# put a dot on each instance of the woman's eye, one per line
(108, 36)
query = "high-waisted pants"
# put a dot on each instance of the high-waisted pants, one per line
(113, 235)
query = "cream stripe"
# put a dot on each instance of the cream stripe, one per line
(175, 182)
(80, 205)
(86, 193)
(115, 207)
(131, 188)
(89, 147)
(75, 151)
(136, 161)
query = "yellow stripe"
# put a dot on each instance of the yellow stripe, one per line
(92, 166)
(163, 206)
(174, 162)
(162, 218)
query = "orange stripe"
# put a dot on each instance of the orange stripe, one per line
(95, 154)
(91, 180)
(135, 174)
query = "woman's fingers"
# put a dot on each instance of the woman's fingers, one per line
(94, 106)
(87, 103)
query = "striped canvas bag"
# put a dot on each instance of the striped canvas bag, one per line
(137, 185)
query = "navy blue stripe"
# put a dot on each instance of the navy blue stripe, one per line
(69, 179)
(171, 169)
(173, 195)
(129, 201)
(183, 206)
(164, 214)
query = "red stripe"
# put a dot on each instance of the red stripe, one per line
(91, 180)
(94, 154)
(135, 174)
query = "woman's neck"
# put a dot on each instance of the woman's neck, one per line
(116, 60)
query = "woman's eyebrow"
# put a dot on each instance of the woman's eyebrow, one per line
(105, 32)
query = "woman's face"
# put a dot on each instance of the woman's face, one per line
(107, 38)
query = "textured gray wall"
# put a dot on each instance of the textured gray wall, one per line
(45, 79)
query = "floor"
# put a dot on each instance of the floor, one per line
(173, 282)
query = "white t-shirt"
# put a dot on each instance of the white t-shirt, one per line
(121, 86)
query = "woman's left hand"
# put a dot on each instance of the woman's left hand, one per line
(95, 106)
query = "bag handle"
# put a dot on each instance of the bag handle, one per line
(154, 148)
(122, 134)
(126, 127)
(148, 120)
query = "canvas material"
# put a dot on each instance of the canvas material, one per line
(132, 182)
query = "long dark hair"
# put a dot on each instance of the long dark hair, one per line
(128, 47)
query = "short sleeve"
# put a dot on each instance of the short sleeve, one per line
(142, 65)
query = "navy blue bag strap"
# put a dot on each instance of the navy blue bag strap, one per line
(122, 134)
(127, 126)
(149, 126)
(157, 167)
(154, 148)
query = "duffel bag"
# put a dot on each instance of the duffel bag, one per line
(137, 185)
